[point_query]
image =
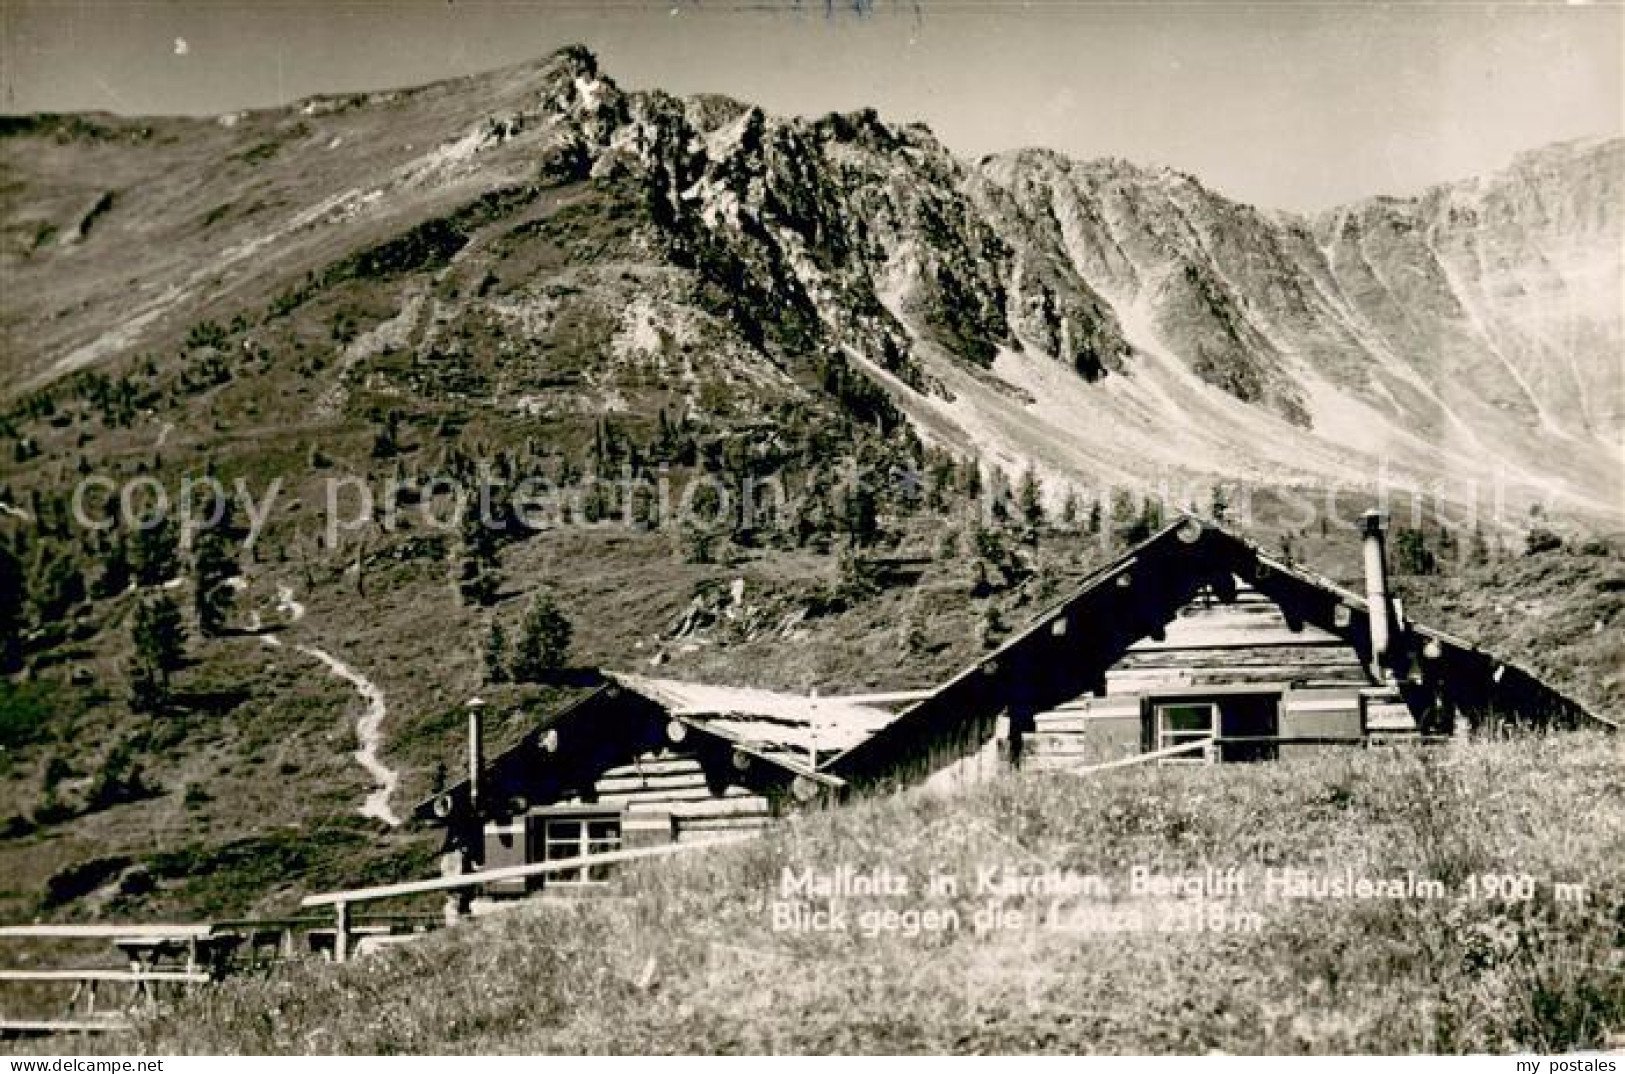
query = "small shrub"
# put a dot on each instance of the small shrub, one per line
(1540, 540)
(81, 878)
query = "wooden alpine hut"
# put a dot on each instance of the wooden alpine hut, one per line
(1193, 647)
(1198, 645)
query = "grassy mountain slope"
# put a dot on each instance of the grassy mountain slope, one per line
(690, 962)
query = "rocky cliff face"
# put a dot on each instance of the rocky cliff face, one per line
(1100, 319)
(1480, 320)
(1501, 295)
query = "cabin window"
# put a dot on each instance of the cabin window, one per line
(578, 836)
(1182, 722)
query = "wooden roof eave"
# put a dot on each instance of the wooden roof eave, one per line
(530, 744)
(1456, 649)
(755, 750)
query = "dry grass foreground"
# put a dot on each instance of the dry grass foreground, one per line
(688, 961)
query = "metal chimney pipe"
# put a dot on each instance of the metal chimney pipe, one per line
(1380, 610)
(476, 756)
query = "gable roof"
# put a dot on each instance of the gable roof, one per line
(1067, 648)
(778, 729)
(792, 725)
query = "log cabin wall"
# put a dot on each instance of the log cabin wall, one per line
(615, 767)
(660, 796)
(673, 791)
(1227, 647)
(1084, 731)
(1211, 643)
(960, 771)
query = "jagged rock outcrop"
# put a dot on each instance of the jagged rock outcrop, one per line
(1095, 316)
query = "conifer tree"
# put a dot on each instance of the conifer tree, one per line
(496, 653)
(479, 573)
(13, 598)
(61, 586)
(213, 566)
(1069, 509)
(860, 513)
(544, 640)
(159, 637)
(153, 551)
(1030, 498)
(115, 574)
(999, 496)
(1478, 547)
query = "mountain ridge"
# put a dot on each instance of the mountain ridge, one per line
(1374, 335)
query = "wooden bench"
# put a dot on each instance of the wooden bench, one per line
(155, 955)
(206, 954)
(80, 1010)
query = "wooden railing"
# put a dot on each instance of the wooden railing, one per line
(202, 946)
(1221, 741)
(105, 932)
(157, 954)
(341, 901)
(126, 976)
(1144, 758)
(143, 945)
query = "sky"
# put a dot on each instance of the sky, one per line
(1287, 105)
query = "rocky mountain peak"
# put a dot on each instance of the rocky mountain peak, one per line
(1467, 330)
